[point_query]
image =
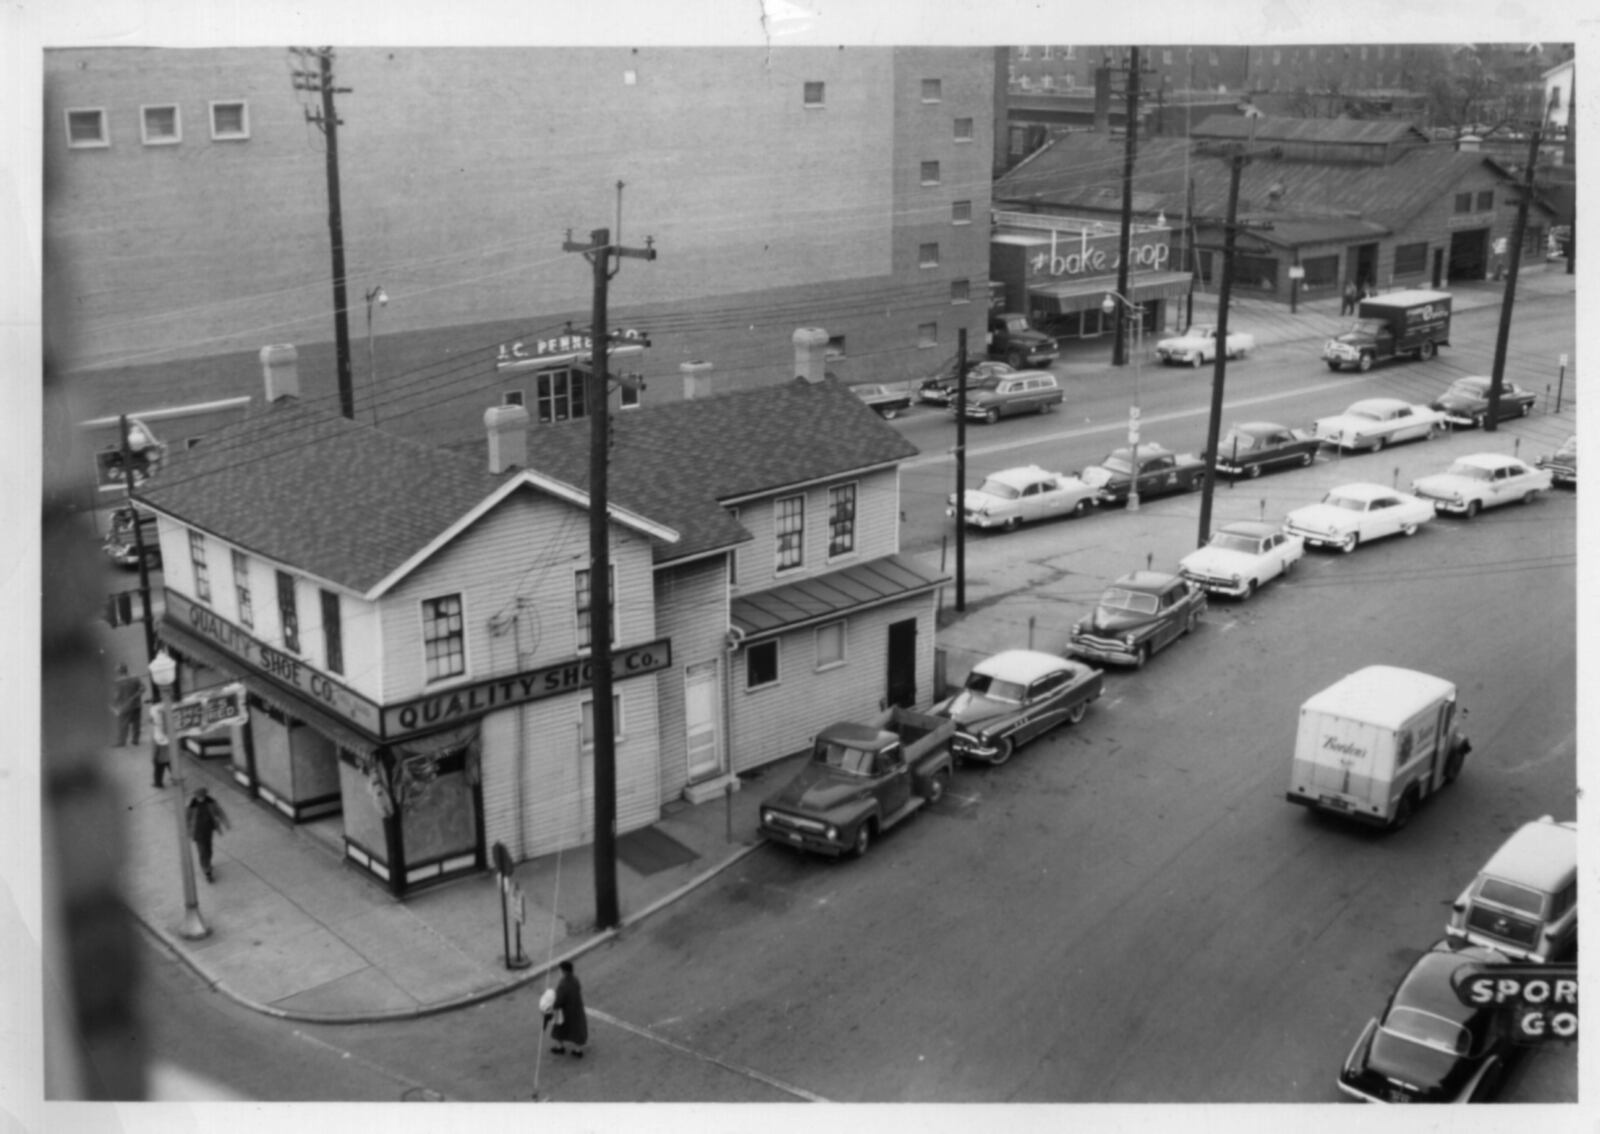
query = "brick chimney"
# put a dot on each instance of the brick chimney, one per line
(810, 353)
(507, 427)
(697, 380)
(281, 371)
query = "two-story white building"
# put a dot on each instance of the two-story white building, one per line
(411, 622)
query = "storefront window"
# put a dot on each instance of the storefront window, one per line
(561, 395)
(1256, 273)
(1321, 271)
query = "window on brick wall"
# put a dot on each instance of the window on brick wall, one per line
(931, 90)
(961, 212)
(835, 348)
(814, 94)
(928, 255)
(927, 334)
(230, 121)
(87, 128)
(963, 128)
(161, 125)
(960, 291)
(930, 173)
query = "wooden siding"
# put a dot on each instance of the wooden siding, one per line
(781, 719)
(1433, 225)
(877, 530)
(517, 564)
(692, 610)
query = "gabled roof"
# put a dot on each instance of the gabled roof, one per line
(679, 462)
(1267, 128)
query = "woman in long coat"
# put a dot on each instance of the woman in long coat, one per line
(572, 1023)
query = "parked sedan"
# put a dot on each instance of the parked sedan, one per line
(1257, 445)
(1242, 556)
(1160, 470)
(1023, 495)
(1015, 696)
(1376, 422)
(1482, 480)
(1198, 345)
(1563, 463)
(1354, 514)
(1140, 613)
(940, 390)
(1428, 1046)
(887, 400)
(1466, 402)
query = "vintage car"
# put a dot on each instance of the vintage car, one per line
(1003, 395)
(1015, 339)
(1562, 465)
(1254, 446)
(1198, 345)
(940, 390)
(1524, 902)
(1466, 402)
(1240, 557)
(1160, 471)
(887, 400)
(1011, 497)
(1354, 514)
(1014, 696)
(861, 780)
(1481, 480)
(1136, 616)
(1376, 422)
(1428, 1045)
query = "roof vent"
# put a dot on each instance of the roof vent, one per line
(507, 427)
(280, 370)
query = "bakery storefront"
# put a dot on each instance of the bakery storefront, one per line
(1059, 270)
(406, 779)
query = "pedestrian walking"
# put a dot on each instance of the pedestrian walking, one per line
(571, 1030)
(206, 819)
(127, 702)
(160, 751)
(1348, 303)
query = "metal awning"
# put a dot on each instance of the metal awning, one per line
(822, 598)
(1080, 295)
(283, 699)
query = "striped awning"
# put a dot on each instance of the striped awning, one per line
(822, 598)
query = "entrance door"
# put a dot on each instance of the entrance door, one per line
(1364, 264)
(903, 663)
(702, 720)
(1469, 254)
(1438, 268)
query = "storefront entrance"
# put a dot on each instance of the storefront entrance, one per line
(1469, 254)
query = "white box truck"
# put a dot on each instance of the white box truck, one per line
(1375, 744)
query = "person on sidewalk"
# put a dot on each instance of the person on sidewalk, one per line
(206, 819)
(1347, 304)
(571, 1021)
(160, 750)
(127, 702)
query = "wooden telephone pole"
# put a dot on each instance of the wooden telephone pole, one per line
(1119, 350)
(1518, 233)
(599, 252)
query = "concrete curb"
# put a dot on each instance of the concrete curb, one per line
(216, 984)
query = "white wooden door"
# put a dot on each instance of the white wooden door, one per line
(702, 720)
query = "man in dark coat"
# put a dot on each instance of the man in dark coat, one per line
(127, 701)
(571, 1031)
(206, 818)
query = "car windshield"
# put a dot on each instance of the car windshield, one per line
(1229, 541)
(1467, 387)
(1236, 441)
(856, 761)
(993, 487)
(1511, 895)
(1427, 1029)
(1348, 503)
(1137, 602)
(994, 688)
(1470, 471)
(1117, 462)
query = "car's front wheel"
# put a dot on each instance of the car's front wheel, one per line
(1379, 443)
(1252, 471)
(1075, 714)
(1141, 656)
(1348, 544)
(1478, 419)
(1402, 812)
(1408, 529)
(1195, 360)
(1012, 523)
(1080, 507)
(1472, 508)
(863, 840)
(1525, 409)
(1364, 363)
(1306, 458)
(1427, 351)
(1249, 589)
(992, 416)
(937, 785)
(1004, 747)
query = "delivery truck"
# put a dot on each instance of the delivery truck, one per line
(1375, 744)
(1415, 322)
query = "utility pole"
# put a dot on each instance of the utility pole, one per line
(1224, 288)
(1119, 351)
(138, 543)
(327, 120)
(1496, 380)
(599, 252)
(961, 469)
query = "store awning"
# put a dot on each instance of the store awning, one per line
(283, 699)
(823, 598)
(1080, 295)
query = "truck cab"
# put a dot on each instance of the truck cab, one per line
(1014, 339)
(1414, 322)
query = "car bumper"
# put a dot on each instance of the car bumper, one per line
(1103, 651)
(1333, 805)
(979, 520)
(1217, 586)
(1455, 507)
(804, 840)
(1318, 539)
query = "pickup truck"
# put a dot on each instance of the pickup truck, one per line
(1014, 339)
(861, 780)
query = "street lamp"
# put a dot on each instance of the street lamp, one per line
(381, 297)
(1109, 306)
(163, 672)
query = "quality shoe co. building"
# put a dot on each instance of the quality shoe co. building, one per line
(411, 622)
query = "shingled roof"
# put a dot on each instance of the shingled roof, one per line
(678, 462)
(1276, 128)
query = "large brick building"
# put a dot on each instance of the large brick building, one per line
(186, 218)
